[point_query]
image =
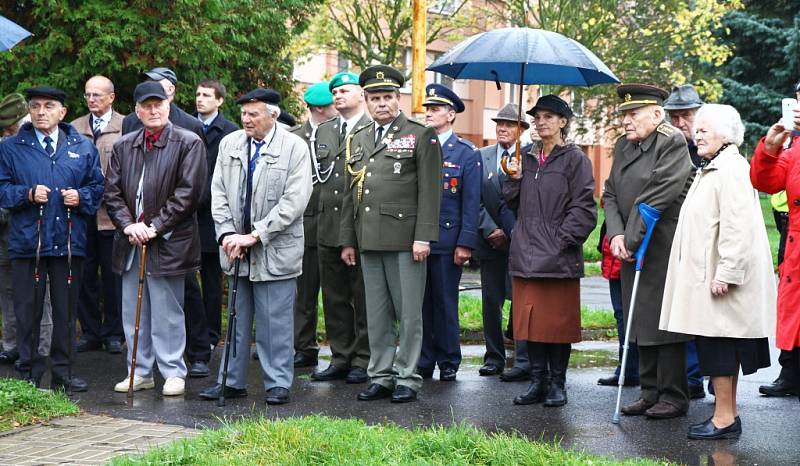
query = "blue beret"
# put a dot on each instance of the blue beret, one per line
(437, 94)
(260, 95)
(342, 79)
(318, 95)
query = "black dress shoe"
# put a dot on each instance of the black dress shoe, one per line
(780, 387)
(331, 373)
(114, 347)
(356, 375)
(277, 396)
(403, 394)
(708, 431)
(63, 383)
(613, 381)
(84, 345)
(490, 369)
(9, 357)
(198, 369)
(304, 360)
(448, 374)
(515, 374)
(425, 373)
(696, 392)
(212, 392)
(375, 391)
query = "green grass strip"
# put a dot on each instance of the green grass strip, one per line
(22, 404)
(322, 440)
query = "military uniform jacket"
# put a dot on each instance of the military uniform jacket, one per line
(395, 188)
(461, 196)
(658, 172)
(306, 132)
(331, 155)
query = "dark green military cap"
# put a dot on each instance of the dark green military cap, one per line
(342, 79)
(318, 95)
(12, 109)
(381, 78)
(638, 95)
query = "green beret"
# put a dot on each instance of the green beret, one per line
(318, 95)
(12, 109)
(342, 79)
(381, 78)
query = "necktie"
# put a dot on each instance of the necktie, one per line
(251, 168)
(149, 140)
(378, 135)
(48, 146)
(343, 132)
(96, 128)
(205, 127)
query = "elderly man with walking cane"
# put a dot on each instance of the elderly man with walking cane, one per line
(154, 182)
(259, 191)
(50, 180)
(651, 166)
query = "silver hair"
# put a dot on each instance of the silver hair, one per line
(274, 109)
(724, 120)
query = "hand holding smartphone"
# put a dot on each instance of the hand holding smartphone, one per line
(788, 105)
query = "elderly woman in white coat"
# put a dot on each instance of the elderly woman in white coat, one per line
(720, 283)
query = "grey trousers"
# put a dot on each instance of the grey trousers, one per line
(162, 333)
(395, 287)
(271, 305)
(9, 340)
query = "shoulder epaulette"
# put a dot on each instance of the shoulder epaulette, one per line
(330, 120)
(665, 129)
(467, 143)
(360, 128)
(411, 120)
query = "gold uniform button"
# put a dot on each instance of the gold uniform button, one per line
(335, 209)
(335, 192)
(366, 209)
(400, 215)
(447, 224)
(336, 175)
(366, 191)
(371, 160)
(369, 173)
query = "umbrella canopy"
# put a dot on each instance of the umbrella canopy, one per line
(524, 56)
(10, 33)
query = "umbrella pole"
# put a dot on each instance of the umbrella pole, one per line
(517, 154)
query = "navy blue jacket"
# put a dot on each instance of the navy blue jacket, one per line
(461, 196)
(24, 164)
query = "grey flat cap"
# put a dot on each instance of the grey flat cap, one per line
(683, 98)
(511, 113)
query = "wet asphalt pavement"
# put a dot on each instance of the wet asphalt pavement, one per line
(771, 435)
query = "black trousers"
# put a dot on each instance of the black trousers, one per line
(662, 374)
(305, 306)
(28, 310)
(198, 347)
(100, 324)
(211, 277)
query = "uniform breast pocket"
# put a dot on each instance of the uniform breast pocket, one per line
(399, 165)
(276, 179)
(322, 153)
(451, 181)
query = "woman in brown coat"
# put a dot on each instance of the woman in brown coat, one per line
(556, 212)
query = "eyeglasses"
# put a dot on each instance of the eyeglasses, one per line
(90, 96)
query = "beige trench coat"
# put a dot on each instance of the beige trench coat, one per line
(721, 235)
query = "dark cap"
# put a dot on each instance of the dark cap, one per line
(287, 119)
(381, 78)
(46, 93)
(160, 72)
(260, 95)
(797, 87)
(510, 113)
(12, 109)
(149, 90)
(552, 103)
(638, 95)
(683, 98)
(437, 94)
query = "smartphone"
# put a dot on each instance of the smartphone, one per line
(788, 105)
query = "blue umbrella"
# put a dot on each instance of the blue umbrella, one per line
(10, 34)
(523, 56)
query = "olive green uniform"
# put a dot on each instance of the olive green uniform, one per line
(393, 201)
(343, 298)
(305, 306)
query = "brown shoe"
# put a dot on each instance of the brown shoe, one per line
(637, 408)
(664, 410)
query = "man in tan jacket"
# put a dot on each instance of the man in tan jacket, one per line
(103, 126)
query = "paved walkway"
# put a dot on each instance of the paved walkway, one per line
(84, 440)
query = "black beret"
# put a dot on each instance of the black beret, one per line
(381, 78)
(269, 96)
(47, 93)
(552, 103)
(437, 94)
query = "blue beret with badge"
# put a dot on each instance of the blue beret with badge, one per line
(342, 79)
(437, 94)
(318, 95)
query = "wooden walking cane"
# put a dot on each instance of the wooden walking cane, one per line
(230, 340)
(132, 373)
